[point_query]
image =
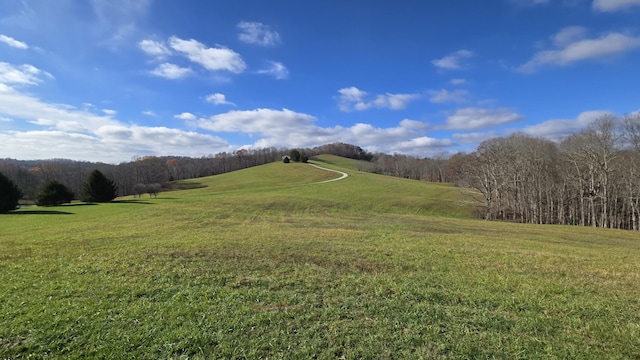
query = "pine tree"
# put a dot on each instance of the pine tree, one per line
(9, 194)
(53, 193)
(98, 188)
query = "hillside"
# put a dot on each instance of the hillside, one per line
(268, 263)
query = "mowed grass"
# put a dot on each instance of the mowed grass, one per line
(266, 263)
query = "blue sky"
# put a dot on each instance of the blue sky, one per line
(107, 80)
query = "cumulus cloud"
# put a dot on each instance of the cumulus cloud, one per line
(154, 48)
(66, 131)
(276, 69)
(13, 42)
(211, 58)
(218, 99)
(110, 144)
(354, 99)
(446, 96)
(171, 71)
(478, 118)
(185, 116)
(257, 33)
(453, 61)
(614, 5)
(556, 129)
(570, 45)
(293, 129)
(259, 121)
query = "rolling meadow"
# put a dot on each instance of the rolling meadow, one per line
(269, 263)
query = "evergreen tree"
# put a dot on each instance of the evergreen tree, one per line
(53, 193)
(9, 194)
(98, 188)
(294, 155)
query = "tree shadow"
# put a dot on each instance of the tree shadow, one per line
(140, 202)
(184, 185)
(39, 212)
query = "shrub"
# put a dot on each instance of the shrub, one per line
(9, 194)
(98, 188)
(53, 193)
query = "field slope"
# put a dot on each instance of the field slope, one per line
(269, 263)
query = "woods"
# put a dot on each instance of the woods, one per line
(590, 178)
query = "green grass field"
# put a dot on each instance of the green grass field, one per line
(264, 263)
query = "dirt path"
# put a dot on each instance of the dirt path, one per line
(344, 174)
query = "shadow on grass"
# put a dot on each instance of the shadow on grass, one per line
(179, 185)
(39, 212)
(139, 202)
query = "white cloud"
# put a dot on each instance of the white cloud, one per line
(292, 129)
(352, 98)
(257, 33)
(614, 5)
(276, 69)
(20, 75)
(109, 112)
(83, 134)
(423, 143)
(475, 137)
(5, 119)
(214, 59)
(446, 96)
(259, 121)
(569, 35)
(185, 116)
(453, 61)
(154, 48)
(13, 42)
(218, 99)
(394, 101)
(149, 113)
(571, 46)
(556, 129)
(478, 118)
(458, 81)
(171, 71)
(110, 144)
(51, 116)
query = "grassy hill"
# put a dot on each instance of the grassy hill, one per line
(268, 263)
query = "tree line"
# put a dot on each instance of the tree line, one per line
(149, 174)
(589, 178)
(97, 188)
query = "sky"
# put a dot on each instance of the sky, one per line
(111, 80)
